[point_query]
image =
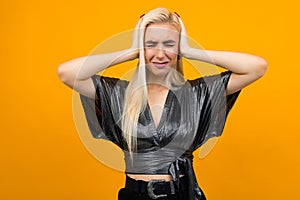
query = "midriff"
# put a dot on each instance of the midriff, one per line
(149, 177)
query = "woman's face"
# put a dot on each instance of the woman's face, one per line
(161, 49)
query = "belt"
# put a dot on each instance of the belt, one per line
(154, 188)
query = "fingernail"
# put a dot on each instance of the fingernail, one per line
(142, 16)
(177, 14)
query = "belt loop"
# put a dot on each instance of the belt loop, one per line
(172, 187)
(140, 188)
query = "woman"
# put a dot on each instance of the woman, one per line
(158, 118)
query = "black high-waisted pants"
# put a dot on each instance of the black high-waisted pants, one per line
(128, 194)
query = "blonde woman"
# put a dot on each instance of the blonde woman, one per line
(159, 118)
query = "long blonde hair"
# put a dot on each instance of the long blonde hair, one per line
(136, 95)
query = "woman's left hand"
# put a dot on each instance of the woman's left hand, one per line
(184, 46)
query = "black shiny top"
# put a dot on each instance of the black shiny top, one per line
(192, 114)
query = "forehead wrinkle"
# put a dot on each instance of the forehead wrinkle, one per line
(161, 37)
(161, 32)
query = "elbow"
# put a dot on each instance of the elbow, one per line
(61, 73)
(64, 75)
(261, 67)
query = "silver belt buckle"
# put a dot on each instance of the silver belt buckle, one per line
(150, 189)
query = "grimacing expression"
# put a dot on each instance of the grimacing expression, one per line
(161, 48)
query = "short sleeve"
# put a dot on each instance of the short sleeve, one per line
(103, 114)
(214, 105)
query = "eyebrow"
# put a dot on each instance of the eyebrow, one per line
(151, 42)
(168, 41)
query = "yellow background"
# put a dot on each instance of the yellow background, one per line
(42, 156)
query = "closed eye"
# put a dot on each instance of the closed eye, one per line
(169, 45)
(150, 43)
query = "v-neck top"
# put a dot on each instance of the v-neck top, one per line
(163, 113)
(192, 114)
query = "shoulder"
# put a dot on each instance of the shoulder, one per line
(210, 79)
(106, 81)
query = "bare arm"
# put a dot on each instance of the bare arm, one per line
(246, 68)
(77, 72)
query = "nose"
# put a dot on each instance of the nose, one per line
(160, 52)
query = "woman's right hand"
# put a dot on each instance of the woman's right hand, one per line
(135, 38)
(77, 73)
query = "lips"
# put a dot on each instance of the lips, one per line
(161, 64)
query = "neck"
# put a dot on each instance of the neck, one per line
(156, 87)
(155, 80)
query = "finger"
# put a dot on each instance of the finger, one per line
(136, 34)
(183, 30)
(139, 22)
(137, 27)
